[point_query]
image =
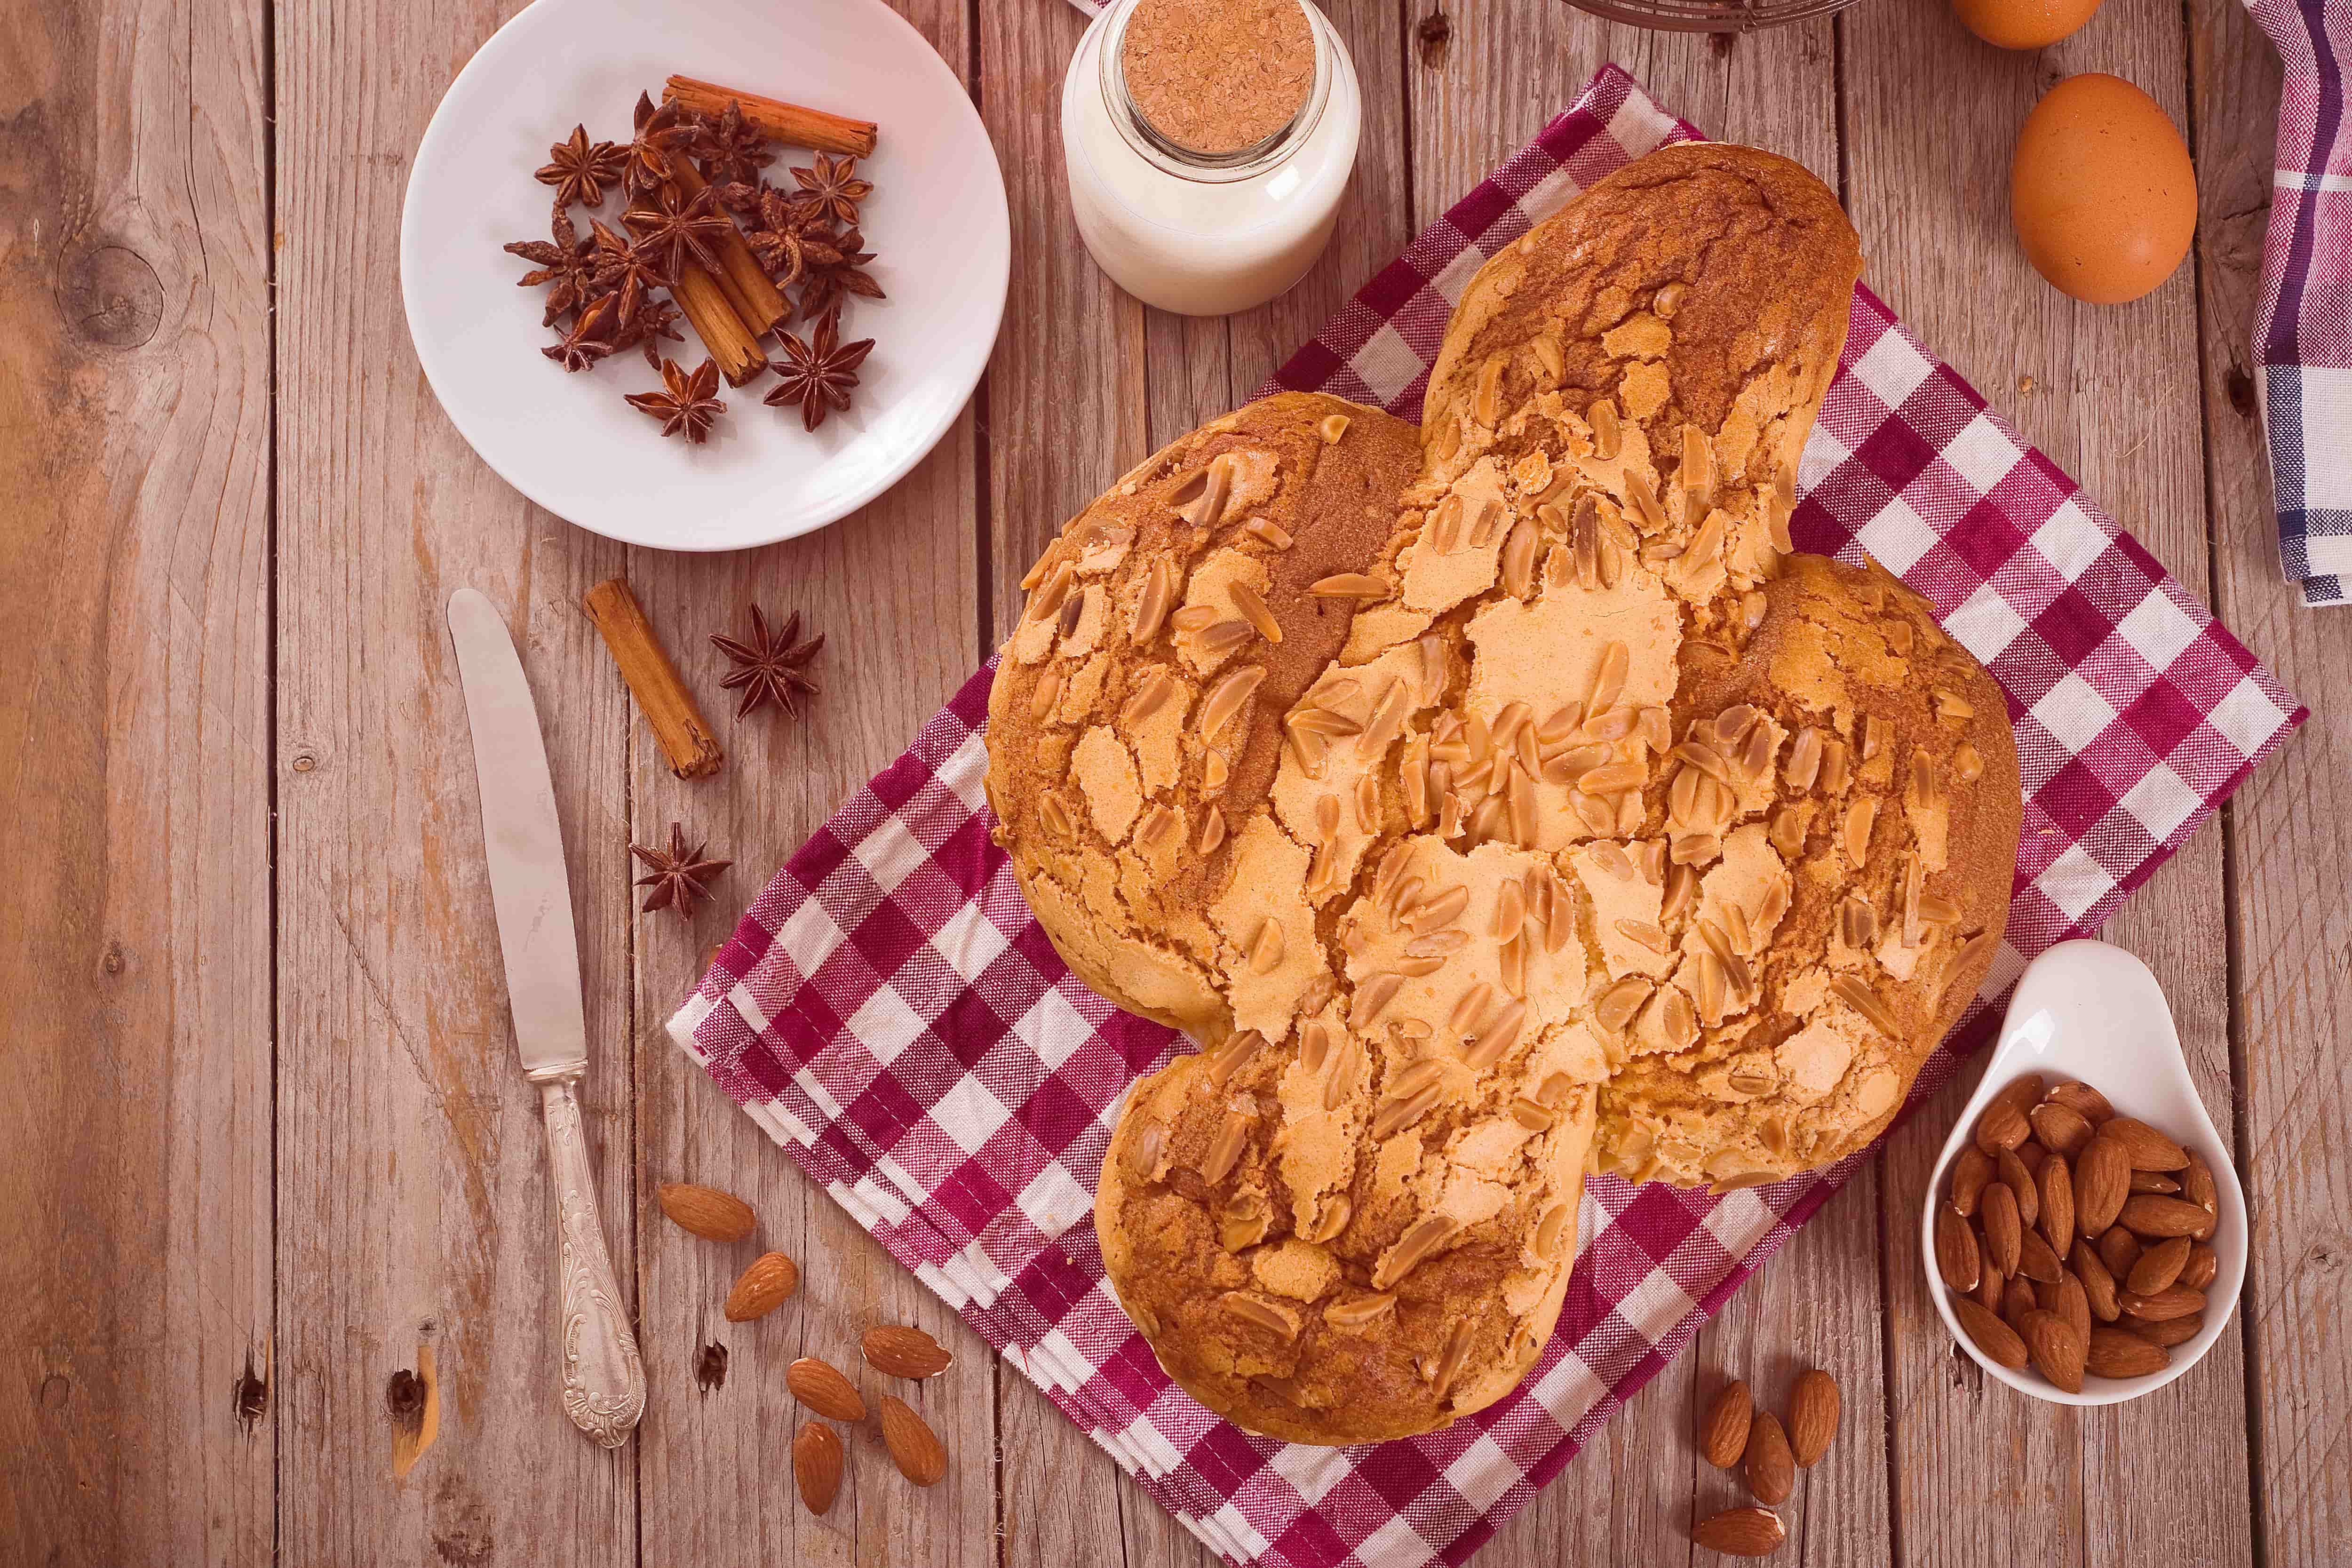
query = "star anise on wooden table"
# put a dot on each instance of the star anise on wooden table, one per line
(646, 166)
(565, 261)
(676, 229)
(687, 403)
(587, 341)
(833, 188)
(819, 374)
(580, 169)
(731, 150)
(631, 268)
(677, 877)
(768, 668)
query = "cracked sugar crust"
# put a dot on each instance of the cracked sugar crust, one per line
(1563, 819)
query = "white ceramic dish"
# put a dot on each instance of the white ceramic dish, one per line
(2086, 1010)
(937, 221)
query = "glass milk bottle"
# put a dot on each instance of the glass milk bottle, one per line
(1207, 144)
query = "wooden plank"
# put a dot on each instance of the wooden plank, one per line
(415, 1215)
(138, 1412)
(1500, 72)
(1927, 192)
(2287, 827)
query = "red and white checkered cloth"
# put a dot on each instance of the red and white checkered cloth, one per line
(892, 1016)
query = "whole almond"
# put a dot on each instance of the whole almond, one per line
(1770, 1468)
(2057, 1351)
(2035, 1261)
(1956, 1249)
(1971, 1169)
(2024, 1092)
(1813, 1408)
(2102, 1182)
(917, 1450)
(2202, 1265)
(2002, 1230)
(817, 1464)
(2084, 1101)
(901, 1349)
(2118, 1249)
(2115, 1352)
(2016, 1300)
(761, 1289)
(2161, 1306)
(1996, 1338)
(2070, 1301)
(2153, 1182)
(2152, 1217)
(706, 1212)
(1723, 1430)
(2149, 1150)
(1741, 1533)
(2166, 1331)
(821, 1386)
(2062, 1129)
(2031, 1154)
(2023, 1185)
(2099, 1285)
(2001, 1125)
(1989, 1279)
(2197, 1186)
(2158, 1266)
(2057, 1221)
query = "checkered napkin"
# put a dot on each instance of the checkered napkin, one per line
(892, 1016)
(2302, 329)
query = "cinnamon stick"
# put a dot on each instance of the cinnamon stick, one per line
(791, 123)
(759, 303)
(678, 723)
(711, 315)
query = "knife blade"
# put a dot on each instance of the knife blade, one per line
(528, 884)
(603, 1377)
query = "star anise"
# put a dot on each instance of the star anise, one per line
(647, 167)
(677, 229)
(654, 322)
(782, 235)
(741, 197)
(627, 267)
(586, 343)
(687, 403)
(836, 269)
(833, 188)
(818, 374)
(677, 877)
(565, 259)
(730, 148)
(580, 170)
(768, 668)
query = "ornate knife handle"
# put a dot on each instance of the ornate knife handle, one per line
(603, 1380)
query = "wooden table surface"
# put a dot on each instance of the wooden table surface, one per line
(271, 1188)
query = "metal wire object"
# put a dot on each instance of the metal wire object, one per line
(1709, 15)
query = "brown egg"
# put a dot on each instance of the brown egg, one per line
(2023, 24)
(2101, 190)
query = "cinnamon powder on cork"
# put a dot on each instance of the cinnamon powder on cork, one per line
(1216, 76)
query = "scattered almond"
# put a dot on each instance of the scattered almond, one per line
(2115, 1352)
(706, 1212)
(762, 1288)
(822, 1386)
(914, 1447)
(901, 1349)
(2057, 1351)
(817, 1464)
(1741, 1533)
(1723, 1430)
(1812, 1417)
(1770, 1468)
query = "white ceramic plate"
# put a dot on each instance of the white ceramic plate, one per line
(2086, 1010)
(937, 220)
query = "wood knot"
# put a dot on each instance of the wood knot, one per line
(56, 1389)
(2241, 388)
(710, 1367)
(114, 963)
(404, 1395)
(250, 1396)
(1433, 33)
(109, 295)
(1720, 43)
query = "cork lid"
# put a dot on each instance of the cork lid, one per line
(1218, 76)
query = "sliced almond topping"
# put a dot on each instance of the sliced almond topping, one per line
(1440, 912)
(1234, 1054)
(1225, 1149)
(1213, 832)
(1368, 804)
(1968, 766)
(1953, 707)
(1680, 1023)
(1373, 997)
(1143, 1150)
(1534, 1117)
(1347, 1064)
(1547, 351)
(1489, 404)
(1804, 763)
(1225, 699)
(1322, 721)
(1860, 818)
(1560, 913)
(1521, 797)
(1333, 426)
(1348, 585)
(1596, 814)
(1413, 774)
(1696, 849)
(1937, 908)
(1449, 1359)
(1416, 1077)
(1620, 1003)
(1057, 815)
(1696, 475)
(1835, 766)
(1036, 573)
(1418, 968)
(1608, 679)
(1194, 617)
(1912, 884)
(1215, 771)
(1152, 605)
(1611, 857)
(1705, 758)
(1866, 1002)
(1682, 891)
(1496, 1035)
(1712, 984)
(1362, 1309)
(1433, 666)
(1642, 934)
(1776, 523)
(1607, 437)
(1266, 952)
(1519, 560)
(1444, 529)
(1550, 1230)
(1314, 1044)
(1157, 824)
(1511, 964)
(1469, 1008)
(1395, 1116)
(1668, 300)
(1486, 522)
(1874, 735)
(1387, 720)
(1254, 610)
(1510, 911)
(1225, 635)
(1327, 816)
(1262, 1314)
(1149, 698)
(1209, 505)
(1268, 531)
(1421, 1239)
(1645, 501)
(1437, 944)
(1926, 779)
(1072, 607)
(1047, 692)
(1332, 1220)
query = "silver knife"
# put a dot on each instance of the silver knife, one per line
(604, 1381)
